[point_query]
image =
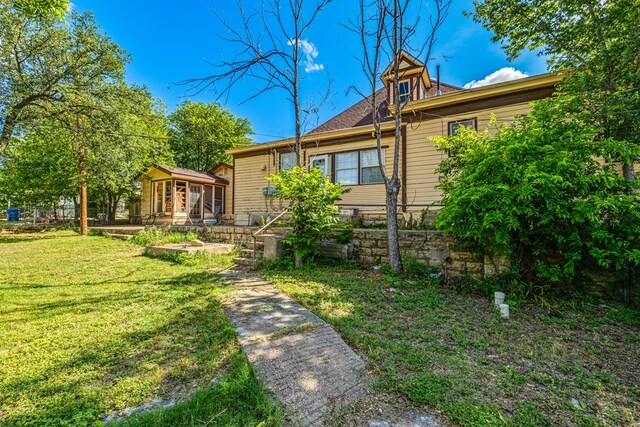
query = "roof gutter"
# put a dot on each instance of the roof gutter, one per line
(313, 137)
(469, 95)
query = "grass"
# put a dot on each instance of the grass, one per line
(574, 364)
(89, 327)
(159, 236)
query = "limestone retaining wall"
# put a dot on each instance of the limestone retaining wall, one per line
(436, 248)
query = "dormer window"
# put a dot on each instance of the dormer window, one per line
(403, 90)
(412, 80)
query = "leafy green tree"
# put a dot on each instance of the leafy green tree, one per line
(43, 166)
(39, 170)
(48, 69)
(42, 8)
(594, 43)
(544, 191)
(311, 201)
(116, 152)
(200, 133)
(69, 77)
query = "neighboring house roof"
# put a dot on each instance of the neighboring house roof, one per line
(188, 175)
(361, 114)
(220, 165)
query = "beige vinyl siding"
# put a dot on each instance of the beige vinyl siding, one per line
(362, 193)
(423, 158)
(146, 198)
(227, 173)
(250, 180)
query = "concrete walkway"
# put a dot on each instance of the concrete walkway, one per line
(301, 359)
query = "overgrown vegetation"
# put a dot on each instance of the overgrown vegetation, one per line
(107, 329)
(310, 198)
(571, 364)
(546, 192)
(153, 236)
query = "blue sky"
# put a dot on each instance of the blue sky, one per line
(171, 41)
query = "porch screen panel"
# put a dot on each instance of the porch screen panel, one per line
(167, 196)
(219, 200)
(181, 196)
(208, 199)
(158, 191)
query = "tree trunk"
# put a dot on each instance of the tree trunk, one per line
(297, 259)
(393, 241)
(82, 171)
(113, 208)
(7, 129)
(11, 119)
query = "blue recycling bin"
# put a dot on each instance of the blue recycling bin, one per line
(13, 214)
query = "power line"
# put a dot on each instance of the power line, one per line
(120, 134)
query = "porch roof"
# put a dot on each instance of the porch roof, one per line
(188, 175)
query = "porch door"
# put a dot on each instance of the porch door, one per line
(195, 201)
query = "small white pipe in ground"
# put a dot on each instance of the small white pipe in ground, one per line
(498, 298)
(504, 311)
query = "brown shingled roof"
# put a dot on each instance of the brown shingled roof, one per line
(178, 172)
(360, 114)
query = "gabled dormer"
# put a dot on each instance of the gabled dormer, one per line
(413, 79)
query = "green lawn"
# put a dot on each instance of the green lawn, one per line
(89, 326)
(573, 365)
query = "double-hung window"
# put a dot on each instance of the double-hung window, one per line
(347, 168)
(287, 160)
(469, 123)
(404, 91)
(370, 167)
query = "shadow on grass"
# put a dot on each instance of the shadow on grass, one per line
(140, 291)
(31, 237)
(238, 399)
(452, 351)
(191, 348)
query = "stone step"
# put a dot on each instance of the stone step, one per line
(249, 263)
(248, 253)
(259, 245)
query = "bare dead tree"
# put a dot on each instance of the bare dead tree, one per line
(271, 50)
(386, 29)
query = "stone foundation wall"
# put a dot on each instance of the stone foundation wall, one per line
(225, 233)
(437, 249)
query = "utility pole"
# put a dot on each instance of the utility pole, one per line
(82, 171)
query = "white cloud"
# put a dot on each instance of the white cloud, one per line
(310, 52)
(502, 75)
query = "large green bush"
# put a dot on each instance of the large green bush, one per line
(311, 201)
(544, 191)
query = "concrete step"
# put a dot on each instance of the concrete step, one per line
(259, 245)
(248, 253)
(249, 263)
